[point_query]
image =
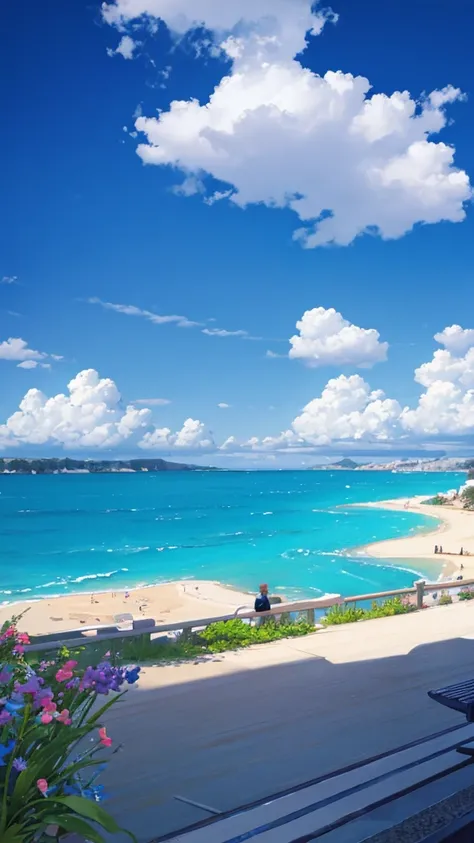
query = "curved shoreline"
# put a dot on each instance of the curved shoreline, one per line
(455, 529)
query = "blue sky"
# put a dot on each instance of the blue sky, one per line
(87, 219)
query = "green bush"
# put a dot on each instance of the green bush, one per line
(216, 638)
(445, 599)
(466, 594)
(351, 613)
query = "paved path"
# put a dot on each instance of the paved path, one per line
(244, 725)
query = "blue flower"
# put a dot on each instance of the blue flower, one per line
(14, 707)
(20, 764)
(5, 749)
(131, 674)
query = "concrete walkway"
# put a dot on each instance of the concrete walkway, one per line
(243, 725)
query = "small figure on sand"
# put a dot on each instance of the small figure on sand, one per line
(436, 548)
(262, 603)
(440, 548)
(461, 552)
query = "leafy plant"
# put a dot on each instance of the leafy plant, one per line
(466, 594)
(445, 599)
(351, 613)
(216, 638)
(46, 711)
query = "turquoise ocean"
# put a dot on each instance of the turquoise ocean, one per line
(293, 529)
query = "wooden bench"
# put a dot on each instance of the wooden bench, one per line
(350, 804)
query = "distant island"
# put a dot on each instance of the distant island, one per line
(402, 465)
(69, 466)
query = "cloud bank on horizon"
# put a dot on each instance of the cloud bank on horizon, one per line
(274, 132)
(348, 411)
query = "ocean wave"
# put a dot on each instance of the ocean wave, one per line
(99, 576)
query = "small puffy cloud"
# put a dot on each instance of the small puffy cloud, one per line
(152, 402)
(455, 338)
(17, 349)
(155, 318)
(192, 436)
(126, 48)
(33, 364)
(189, 187)
(325, 338)
(223, 405)
(9, 279)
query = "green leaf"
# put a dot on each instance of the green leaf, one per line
(75, 825)
(13, 834)
(93, 812)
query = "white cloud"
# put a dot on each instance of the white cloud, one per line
(280, 25)
(455, 338)
(221, 332)
(325, 338)
(9, 279)
(345, 162)
(224, 406)
(33, 364)
(125, 48)
(189, 187)
(155, 318)
(347, 409)
(443, 408)
(192, 436)
(152, 402)
(90, 415)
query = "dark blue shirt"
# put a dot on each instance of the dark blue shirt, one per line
(262, 603)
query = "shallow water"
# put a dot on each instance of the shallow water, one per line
(65, 533)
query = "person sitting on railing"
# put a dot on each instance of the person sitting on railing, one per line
(262, 603)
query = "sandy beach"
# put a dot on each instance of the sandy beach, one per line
(165, 603)
(455, 531)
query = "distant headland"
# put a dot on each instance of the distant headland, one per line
(406, 465)
(66, 465)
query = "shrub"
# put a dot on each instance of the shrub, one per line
(445, 599)
(466, 594)
(46, 710)
(350, 613)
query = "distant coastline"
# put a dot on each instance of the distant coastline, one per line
(51, 465)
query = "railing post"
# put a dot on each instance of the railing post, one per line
(310, 616)
(420, 593)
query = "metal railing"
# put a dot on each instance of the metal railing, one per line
(149, 627)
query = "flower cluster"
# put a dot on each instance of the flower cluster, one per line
(45, 712)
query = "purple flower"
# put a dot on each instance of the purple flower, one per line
(31, 686)
(20, 764)
(5, 675)
(5, 717)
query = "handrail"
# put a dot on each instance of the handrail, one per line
(76, 637)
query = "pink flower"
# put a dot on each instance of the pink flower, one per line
(46, 718)
(70, 665)
(63, 675)
(18, 650)
(104, 739)
(48, 705)
(23, 638)
(64, 717)
(9, 633)
(42, 786)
